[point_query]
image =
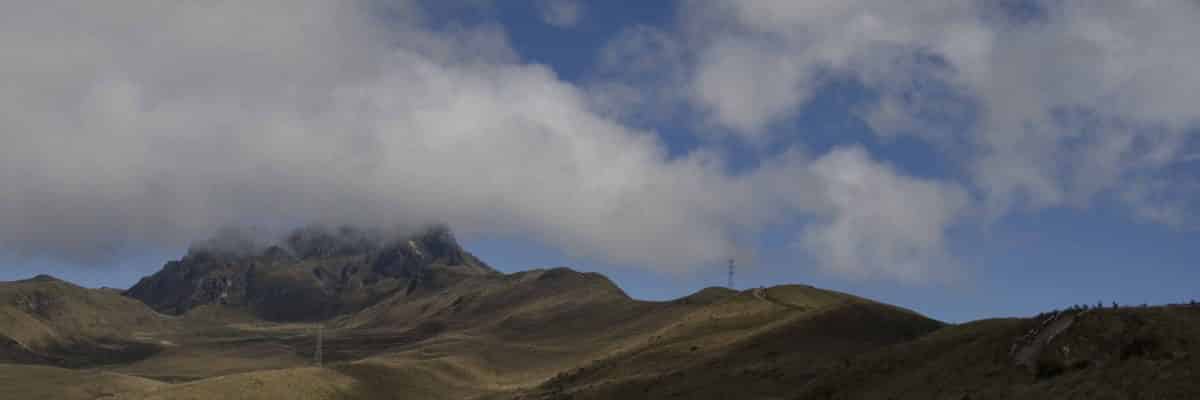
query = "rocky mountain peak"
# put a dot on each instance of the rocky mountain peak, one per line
(313, 272)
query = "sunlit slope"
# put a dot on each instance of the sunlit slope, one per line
(556, 332)
(511, 331)
(297, 383)
(36, 382)
(48, 321)
(750, 344)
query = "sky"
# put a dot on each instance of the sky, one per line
(966, 159)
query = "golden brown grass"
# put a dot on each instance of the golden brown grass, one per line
(556, 334)
(308, 383)
(34, 382)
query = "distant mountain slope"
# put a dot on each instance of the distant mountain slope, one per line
(314, 274)
(45, 320)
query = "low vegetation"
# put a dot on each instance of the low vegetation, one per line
(467, 332)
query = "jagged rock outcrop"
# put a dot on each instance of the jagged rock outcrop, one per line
(315, 273)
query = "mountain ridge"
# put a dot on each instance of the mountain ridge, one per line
(441, 324)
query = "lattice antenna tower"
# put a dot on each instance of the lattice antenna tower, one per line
(731, 268)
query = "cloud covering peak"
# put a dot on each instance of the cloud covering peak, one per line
(153, 126)
(139, 125)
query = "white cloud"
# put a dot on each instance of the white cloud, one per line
(747, 86)
(1072, 99)
(1041, 104)
(882, 225)
(131, 125)
(124, 125)
(560, 13)
(760, 61)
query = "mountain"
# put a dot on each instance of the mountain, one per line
(315, 273)
(416, 316)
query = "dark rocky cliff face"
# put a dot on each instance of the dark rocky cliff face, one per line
(315, 273)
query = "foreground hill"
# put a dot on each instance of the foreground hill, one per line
(1127, 353)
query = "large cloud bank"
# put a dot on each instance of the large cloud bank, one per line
(132, 123)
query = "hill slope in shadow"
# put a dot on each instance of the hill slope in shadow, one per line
(1147, 353)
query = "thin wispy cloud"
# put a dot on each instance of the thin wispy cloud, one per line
(561, 13)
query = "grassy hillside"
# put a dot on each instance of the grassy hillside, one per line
(37, 382)
(753, 344)
(1147, 353)
(541, 334)
(296, 383)
(48, 321)
(561, 334)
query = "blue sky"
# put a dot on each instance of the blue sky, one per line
(965, 161)
(1026, 264)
